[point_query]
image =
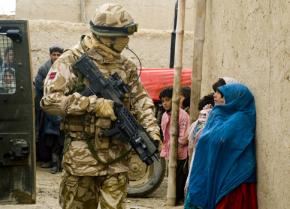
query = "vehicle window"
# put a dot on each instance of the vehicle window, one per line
(7, 66)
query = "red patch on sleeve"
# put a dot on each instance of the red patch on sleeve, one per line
(52, 75)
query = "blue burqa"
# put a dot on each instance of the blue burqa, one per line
(225, 153)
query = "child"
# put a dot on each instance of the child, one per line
(184, 101)
(205, 105)
(9, 58)
(8, 83)
(183, 123)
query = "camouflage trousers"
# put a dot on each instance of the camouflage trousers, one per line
(93, 192)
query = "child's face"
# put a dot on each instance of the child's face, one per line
(166, 103)
(8, 77)
(203, 115)
(181, 99)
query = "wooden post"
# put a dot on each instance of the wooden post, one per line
(196, 76)
(171, 188)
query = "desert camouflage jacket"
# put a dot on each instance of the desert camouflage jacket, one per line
(61, 97)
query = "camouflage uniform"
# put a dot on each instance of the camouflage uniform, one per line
(96, 179)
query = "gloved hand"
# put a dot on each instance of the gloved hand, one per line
(105, 108)
(157, 141)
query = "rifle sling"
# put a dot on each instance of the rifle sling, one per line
(91, 146)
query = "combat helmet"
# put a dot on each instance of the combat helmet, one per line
(112, 20)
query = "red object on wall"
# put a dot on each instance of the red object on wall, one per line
(156, 79)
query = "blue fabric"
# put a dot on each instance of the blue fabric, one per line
(39, 78)
(38, 82)
(52, 124)
(225, 152)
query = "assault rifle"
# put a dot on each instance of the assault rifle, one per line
(126, 125)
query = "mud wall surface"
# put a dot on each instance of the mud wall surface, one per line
(152, 46)
(149, 14)
(62, 22)
(250, 40)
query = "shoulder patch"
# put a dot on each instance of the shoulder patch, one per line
(52, 75)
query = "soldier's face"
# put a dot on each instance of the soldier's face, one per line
(116, 43)
(120, 43)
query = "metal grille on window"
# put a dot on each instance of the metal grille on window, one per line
(7, 66)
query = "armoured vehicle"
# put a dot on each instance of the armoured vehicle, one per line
(17, 140)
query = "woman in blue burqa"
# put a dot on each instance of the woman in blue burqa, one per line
(223, 174)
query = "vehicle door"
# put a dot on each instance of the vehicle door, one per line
(17, 137)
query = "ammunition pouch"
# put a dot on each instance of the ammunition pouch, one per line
(89, 128)
(81, 123)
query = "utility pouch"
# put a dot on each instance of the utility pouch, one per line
(84, 123)
(102, 142)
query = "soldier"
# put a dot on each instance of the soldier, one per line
(97, 180)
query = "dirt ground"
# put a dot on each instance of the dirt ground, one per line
(47, 195)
